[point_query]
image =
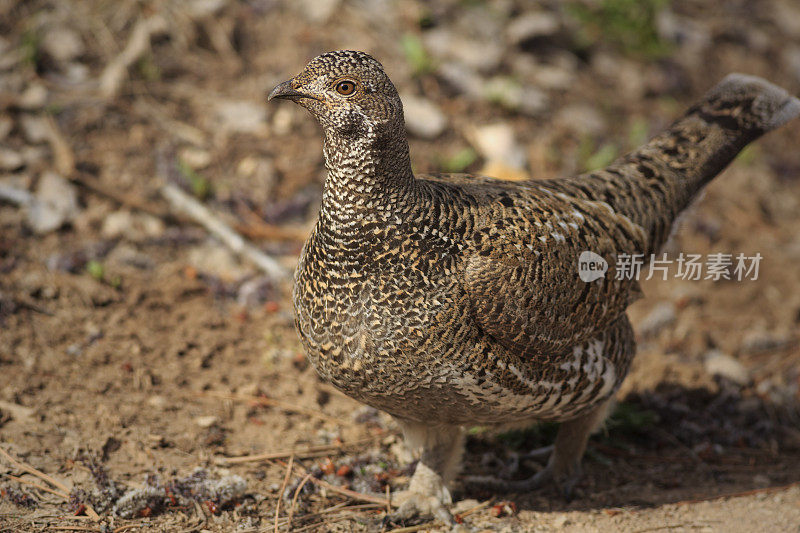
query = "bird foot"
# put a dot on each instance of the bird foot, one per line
(418, 505)
(426, 496)
(565, 479)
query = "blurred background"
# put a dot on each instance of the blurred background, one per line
(130, 336)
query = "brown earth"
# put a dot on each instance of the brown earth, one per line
(132, 345)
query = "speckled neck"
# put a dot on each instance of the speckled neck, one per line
(368, 175)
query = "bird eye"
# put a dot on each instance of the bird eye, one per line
(346, 87)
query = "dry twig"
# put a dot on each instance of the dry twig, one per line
(296, 495)
(63, 156)
(29, 469)
(383, 502)
(187, 205)
(280, 492)
(39, 486)
(477, 508)
(413, 529)
(303, 453)
(44, 477)
(138, 44)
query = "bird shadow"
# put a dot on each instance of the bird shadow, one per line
(667, 445)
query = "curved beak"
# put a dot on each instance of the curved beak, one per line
(287, 91)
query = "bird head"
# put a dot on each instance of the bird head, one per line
(349, 94)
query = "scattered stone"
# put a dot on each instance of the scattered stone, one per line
(34, 97)
(580, 119)
(758, 341)
(660, 317)
(10, 159)
(259, 169)
(401, 452)
(318, 11)
(211, 258)
(261, 178)
(62, 44)
(249, 389)
(779, 392)
(464, 505)
(136, 227)
(197, 158)
(74, 350)
(283, 119)
(75, 72)
(498, 142)
(557, 74)
(721, 364)
(560, 521)
(157, 402)
(205, 8)
(242, 117)
(156, 496)
(512, 95)
(423, 118)
(478, 54)
(125, 254)
(34, 128)
(462, 79)
(531, 25)
(500, 170)
(55, 203)
(206, 421)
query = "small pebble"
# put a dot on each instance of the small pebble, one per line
(62, 44)
(10, 159)
(197, 158)
(34, 97)
(721, 364)
(498, 142)
(206, 421)
(660, 317)
(241, 117)
(34, 128)
(56, 203)
(424, 119)
(531, 25)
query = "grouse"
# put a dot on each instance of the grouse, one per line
(455, 300)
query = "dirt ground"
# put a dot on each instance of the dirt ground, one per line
(138, 355)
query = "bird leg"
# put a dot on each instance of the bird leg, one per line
(564, 466)
(441, 449)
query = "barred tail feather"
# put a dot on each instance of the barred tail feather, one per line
(653, 184)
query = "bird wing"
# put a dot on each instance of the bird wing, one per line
(523, 277)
